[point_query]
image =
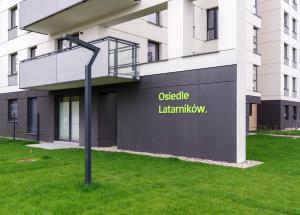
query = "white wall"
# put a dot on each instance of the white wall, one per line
(272, 39)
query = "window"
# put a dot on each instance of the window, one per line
(294, 55)
(153, 51)
(255, 78)
(32, 52)
(294, 26)
(212, 24)
(255, 49)
(12, 110)
(13, 17)
(254, 6)
(286, 53)
(294, 85)
(65, 44)
(32, 116)
(13, 64)
(154, 18)
(286, 82)
(286, 112)
(295, 5)
(286, 21)
(295, 114)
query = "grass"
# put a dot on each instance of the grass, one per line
(34, 181)
(280, 132)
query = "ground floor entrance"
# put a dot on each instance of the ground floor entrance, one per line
(68, 118)
(253, 117)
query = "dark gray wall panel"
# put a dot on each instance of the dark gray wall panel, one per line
(211, 136)
(46, 110)
(217, 129)
(218, 74)
(129, 137)
(182, 129)
(3, 116)
(182, 78)
(107, 120)
(153, 125)
(271, 115)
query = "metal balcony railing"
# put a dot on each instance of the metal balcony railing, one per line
(295, 6)
(286, 92)
(295, 65)
(295, 35)
(295, 94)
(286, 30)
(287, 61)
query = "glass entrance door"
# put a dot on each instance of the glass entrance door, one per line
(69, 118)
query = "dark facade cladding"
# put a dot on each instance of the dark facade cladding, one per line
(45, 108)
(128, 115)
(278, 114)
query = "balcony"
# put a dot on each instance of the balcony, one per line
(295, 6)
(50, 16)
(286, 92)
(295, 65)
(295, 36)
(64, 69)
(286, 61)
(295, 94)
(286, 30)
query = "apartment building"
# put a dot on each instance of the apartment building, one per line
(171, 74)
(279, 75)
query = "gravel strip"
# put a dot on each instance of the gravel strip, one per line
(244, 165)
(282, 135)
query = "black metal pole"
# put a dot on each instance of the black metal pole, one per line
(38, 128)
(87, 129)
(14, 126)
(87, 105)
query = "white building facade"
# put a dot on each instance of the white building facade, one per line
(170, 74)
(278, 77)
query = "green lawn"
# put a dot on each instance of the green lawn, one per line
(131, 184)
(280, 132)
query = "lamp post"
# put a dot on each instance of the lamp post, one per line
(87, 103)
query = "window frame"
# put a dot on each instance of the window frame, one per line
(294, 84)
(286, 114)
(157, 19)
(60, 42)
(157, 51)
(295, 113)
(286, 51)
(255, 70)
(286, 82)
(255, 42)
(13, 64)
(295, 26)
(32, 52)
(10, 111)
(294, 55)
(286, 20)
(13, 17)
(215, 27)
(31, 129)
